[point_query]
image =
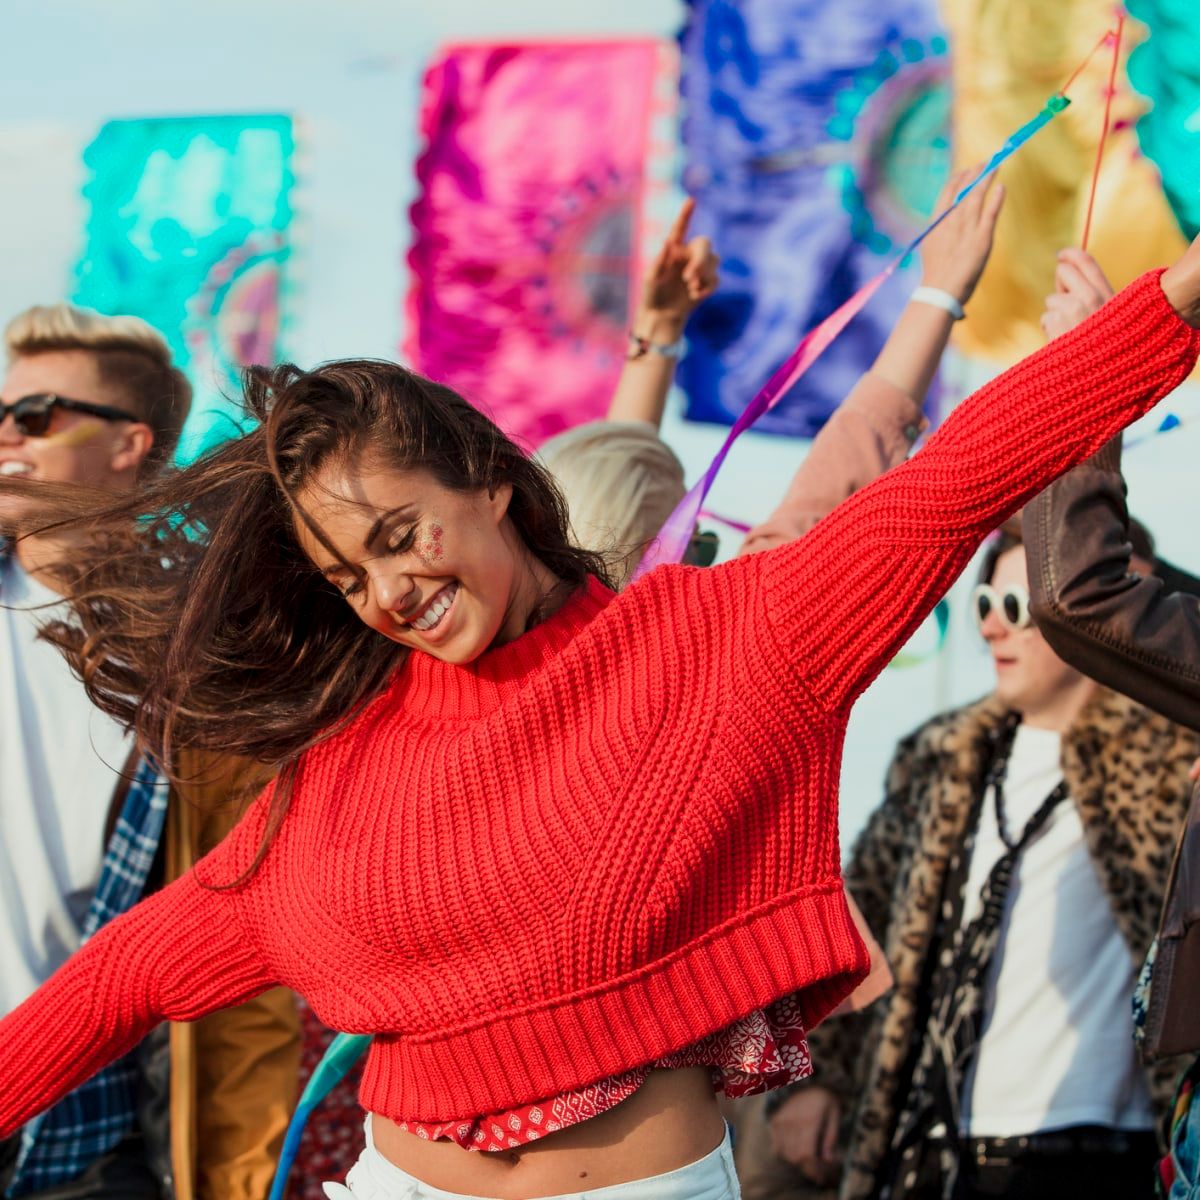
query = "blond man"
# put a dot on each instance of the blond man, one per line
(86, 825)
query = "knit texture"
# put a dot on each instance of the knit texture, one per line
(615, 835)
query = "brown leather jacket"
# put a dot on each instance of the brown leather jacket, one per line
(1137, 634)
(1140, 635)
(233, 1075)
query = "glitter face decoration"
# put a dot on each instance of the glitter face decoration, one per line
(429, 545)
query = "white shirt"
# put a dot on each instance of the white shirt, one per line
(1057, 1045)
(60, 760)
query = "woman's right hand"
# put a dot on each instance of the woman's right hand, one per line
(1181, 285)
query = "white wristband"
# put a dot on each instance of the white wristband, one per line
(939, 299)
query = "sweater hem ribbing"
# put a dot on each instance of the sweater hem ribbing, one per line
(809, 947)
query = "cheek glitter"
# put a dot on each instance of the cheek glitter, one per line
(429, 548)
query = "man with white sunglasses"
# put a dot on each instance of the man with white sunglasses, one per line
(1000, 874)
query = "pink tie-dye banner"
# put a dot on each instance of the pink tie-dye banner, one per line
(527, 229)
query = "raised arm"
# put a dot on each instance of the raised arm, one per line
(846, 597)
(1113, 624)
(682, 274)
(1125, 629)
(874, 428)
(176, 956)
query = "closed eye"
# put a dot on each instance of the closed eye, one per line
(399, 544)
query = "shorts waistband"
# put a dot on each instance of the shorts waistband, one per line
(709, 1178)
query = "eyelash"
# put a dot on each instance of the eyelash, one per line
(393, 547)
(405, 543)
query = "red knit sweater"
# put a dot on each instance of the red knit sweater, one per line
(615, 835)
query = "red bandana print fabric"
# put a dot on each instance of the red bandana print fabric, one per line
(765, 1050)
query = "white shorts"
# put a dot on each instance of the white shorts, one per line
(710, 1178)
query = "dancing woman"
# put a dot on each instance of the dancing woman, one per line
(530, 834)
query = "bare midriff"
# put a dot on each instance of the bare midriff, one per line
(670, 1121)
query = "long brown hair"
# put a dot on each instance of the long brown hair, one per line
(198, 619)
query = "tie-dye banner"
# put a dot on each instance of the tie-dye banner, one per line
(527, 228)
(1166, 70)
(1004, 64)
(189, 228)
(816, 140)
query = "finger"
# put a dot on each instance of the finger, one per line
(1088, 268)
(658, 266)
(699, 251)
(978, 198)
(955, 184)
(1194, 773)
(995, 202)
(1061, 303)
(679, 229)
(1072, 280)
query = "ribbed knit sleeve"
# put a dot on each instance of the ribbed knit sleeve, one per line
(845, 598)
(177, 956)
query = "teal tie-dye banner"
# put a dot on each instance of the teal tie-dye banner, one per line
(188, 228)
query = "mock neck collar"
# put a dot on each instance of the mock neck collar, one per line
(432, 688)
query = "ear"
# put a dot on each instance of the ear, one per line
(133, 443)
(499, 498)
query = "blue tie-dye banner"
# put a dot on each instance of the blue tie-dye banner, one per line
(189, 228)
(816, 140)
(1165, 68)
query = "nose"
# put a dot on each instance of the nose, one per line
(392, 588)
(992, 628)
(9, 433)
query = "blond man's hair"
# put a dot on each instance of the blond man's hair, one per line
(130, 356)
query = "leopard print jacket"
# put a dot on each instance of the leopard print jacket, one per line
(1127, 773)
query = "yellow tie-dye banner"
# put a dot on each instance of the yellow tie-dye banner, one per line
(1007, 57)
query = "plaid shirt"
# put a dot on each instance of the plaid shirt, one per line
(63, 1142)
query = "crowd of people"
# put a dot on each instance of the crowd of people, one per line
(359, 723)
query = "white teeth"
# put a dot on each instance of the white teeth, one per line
(15, 468)
(433, 615)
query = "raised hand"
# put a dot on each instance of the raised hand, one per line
(1080, 289)
(683, 273)
(954, 254)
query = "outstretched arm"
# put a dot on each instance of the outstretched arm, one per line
(682, 274)
(1116, 625)
(874, 428)
(845, 598)
(176, 956)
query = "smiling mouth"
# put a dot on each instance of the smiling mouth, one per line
(431, 618)
(13, 467)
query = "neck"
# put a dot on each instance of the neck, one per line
(1058, 712)
(538, 594)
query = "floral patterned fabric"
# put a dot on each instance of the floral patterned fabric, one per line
(333, 1138)
(765, 1050)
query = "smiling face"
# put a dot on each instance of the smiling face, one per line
(434, 569)
(1030, 678)
(79, 448)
